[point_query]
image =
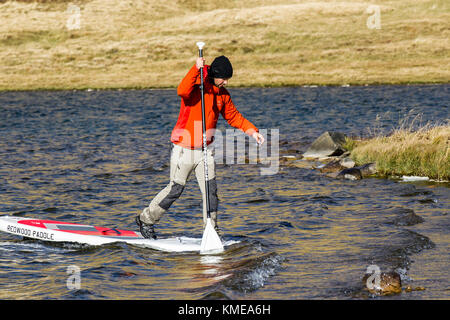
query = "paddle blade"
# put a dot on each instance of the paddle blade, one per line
(210, 241)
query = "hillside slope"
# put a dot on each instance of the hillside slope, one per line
(139, 44)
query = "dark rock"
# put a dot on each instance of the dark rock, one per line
(404, 217)
(356, 173)
(350, 174)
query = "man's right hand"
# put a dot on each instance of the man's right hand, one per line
(258, 137)
(200, 63)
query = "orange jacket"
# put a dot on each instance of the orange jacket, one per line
(188, 131)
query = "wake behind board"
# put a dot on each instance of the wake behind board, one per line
(58, 231)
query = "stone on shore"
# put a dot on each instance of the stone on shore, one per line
(368, 169)
(332, 166)
(329, 144)
(335, 169)
(350, 174)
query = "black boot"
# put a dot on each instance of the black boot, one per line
(216, 227)
(146, 229)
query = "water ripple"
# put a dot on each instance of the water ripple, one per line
(99, 158)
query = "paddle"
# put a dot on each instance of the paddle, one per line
(210, 239)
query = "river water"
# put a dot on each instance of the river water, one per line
(98, 158)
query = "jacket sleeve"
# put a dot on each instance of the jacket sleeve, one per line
(235, 118)
(187, 84)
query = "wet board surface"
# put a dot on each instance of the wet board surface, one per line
(59, 231)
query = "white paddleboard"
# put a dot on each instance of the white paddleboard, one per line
(59, 231)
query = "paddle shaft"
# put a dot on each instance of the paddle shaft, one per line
(205, 146)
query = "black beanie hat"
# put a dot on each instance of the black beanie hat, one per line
(221, 68)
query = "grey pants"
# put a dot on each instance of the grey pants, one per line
(182, 162)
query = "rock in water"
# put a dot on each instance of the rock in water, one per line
(350, 174)
(357, 173)
(327, 145)
(403, 217)
(332, 166)
(389, 283)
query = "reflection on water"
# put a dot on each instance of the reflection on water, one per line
(99, 157)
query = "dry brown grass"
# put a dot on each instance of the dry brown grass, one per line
(422, 152)
(125, 44)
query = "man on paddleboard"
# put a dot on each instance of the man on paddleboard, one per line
(187, 154)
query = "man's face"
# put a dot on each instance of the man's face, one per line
(219, 82)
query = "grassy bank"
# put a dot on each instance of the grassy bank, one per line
(138, 44)
(424, 152)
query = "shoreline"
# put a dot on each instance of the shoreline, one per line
(375, 84)
(408, 153)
